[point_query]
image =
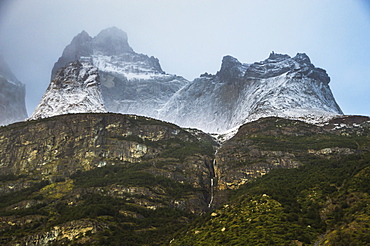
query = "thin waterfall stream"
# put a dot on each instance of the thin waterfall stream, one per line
(212, 181)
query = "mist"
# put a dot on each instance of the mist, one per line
(191, 37)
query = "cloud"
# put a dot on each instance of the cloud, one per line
(191, 37)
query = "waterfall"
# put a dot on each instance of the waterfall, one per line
(212, 180)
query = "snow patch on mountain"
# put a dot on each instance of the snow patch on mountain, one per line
(131, 83)
(239, 93)
(131, 70)
(74, 89)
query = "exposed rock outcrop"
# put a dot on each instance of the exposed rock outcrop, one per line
(132, 83)
(273, 143)
(74, 89)
(56, 148)
(282, 86)
(101, 178)
(279, 86)
(12, 96)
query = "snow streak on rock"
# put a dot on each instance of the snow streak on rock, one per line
(134, 83)
(74, 89)
(131, 83)
(278, 86)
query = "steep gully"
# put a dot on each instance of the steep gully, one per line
(213, 178)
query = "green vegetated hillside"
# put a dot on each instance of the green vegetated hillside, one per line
(323, 201)
(110, 179)
(100, 179)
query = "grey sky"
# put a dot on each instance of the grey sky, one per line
(190, 37)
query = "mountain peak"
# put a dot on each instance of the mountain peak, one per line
(112, 41)
(80, 46)
(113, 31)
(302, 58)
(109, 42)
(231, 68)
(6, 72)
(74, 89)
(12, 95)
(229, 61)
(278, 86)
(277, 57)
(309, 70)
(82, 37)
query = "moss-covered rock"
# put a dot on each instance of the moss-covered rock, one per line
(86, 178)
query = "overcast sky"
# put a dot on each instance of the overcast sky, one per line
(190, 37)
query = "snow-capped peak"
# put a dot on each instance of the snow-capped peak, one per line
(134, 83)
(74, 89)
(231, 69)
(278, 86)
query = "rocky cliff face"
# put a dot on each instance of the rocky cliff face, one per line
(57, 148)
(275, 143)
(74, 89)
(103, 178)
(323, 200)
(63, 145)
(278, 86)
(147, 171)
(12, 96)
(132, 83)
